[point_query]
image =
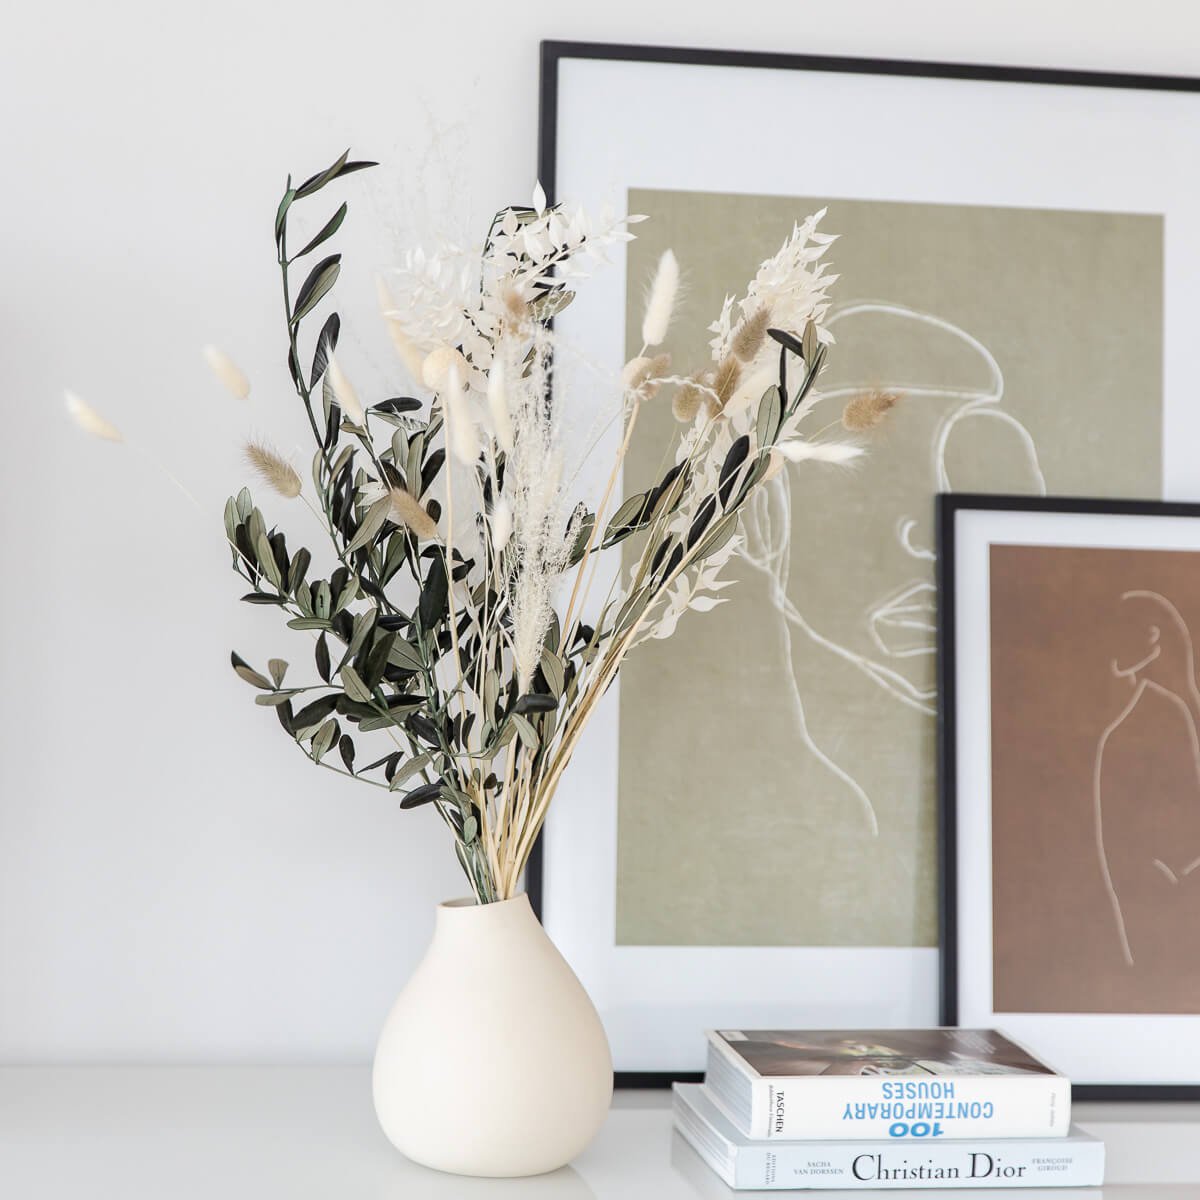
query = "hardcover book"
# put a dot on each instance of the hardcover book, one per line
(1075, 1160)
(896, 1083)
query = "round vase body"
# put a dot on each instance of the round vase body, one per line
(493, 1060)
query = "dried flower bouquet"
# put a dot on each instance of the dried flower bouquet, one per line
(461, 623)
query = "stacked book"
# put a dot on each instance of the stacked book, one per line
(926, 1108)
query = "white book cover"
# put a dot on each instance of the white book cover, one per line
(924, 1083)
(1076, 1160)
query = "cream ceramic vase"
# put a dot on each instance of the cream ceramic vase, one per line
(493, 1060)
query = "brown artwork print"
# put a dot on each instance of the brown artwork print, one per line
(1095, 780)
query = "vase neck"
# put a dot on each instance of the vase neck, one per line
(465, 919)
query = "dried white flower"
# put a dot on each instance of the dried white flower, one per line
(89, 420)
(232, 378)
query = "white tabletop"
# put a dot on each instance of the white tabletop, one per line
(234, 1133)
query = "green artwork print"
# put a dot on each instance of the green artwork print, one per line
(777, 776)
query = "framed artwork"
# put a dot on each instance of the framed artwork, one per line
(749, 835)
(1071, 770)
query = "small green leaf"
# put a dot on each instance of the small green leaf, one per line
(245, 505)
(248, 673)
(311, 715)
(408, 770)
(271, 699)
(363, 624)
(266, 559)
(322, 656)
(347, 595)
(281, 212)
(525, 731)
(278, 669)
(770, 413)
(231, 518)
(434, 594)
(535, 703)
(341, 167)
(304, 600)
(308, 623)
(320, 279)
(377, 659)
(404, 655)
(327, 231)
(346, 750)
(324, 738)
(323, 600)
(371, 525)
(552, 669)
(355, 688)
(298, 569)
(424, 794)
(810, 344)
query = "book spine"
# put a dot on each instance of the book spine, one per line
(846, 1165)
(864, 1107)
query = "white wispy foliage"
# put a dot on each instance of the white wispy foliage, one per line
(478, 577)
(792, 284)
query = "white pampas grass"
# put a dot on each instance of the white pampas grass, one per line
(501, 524)
(405, 509)
(660, 303)
(273, 469)
(460, 429)
(89, 420)
(344, 392)
(231, 376)
(829, 452)
(497, 398)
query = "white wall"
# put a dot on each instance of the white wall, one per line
(175, 882)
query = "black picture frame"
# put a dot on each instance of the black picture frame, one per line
(948, 506)
(552, 55)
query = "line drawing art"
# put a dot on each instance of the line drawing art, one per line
(901, 626)
(1138, 675)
